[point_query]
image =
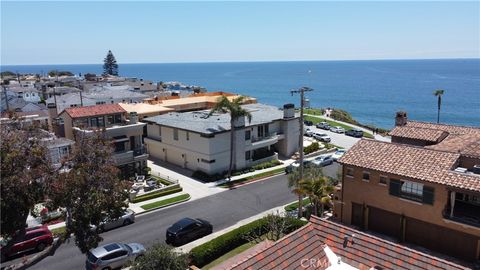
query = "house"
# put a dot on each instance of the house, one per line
(58, 149)
(129, 154)
(29, 94)
(323, 244)
(195, 141)
(423, 188)
(145, 110)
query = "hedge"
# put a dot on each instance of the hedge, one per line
(204, 177)
(209, 251)
(167, 191)
(311, 148)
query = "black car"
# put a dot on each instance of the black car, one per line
(308, 123)
(187, 230)
(354, 133)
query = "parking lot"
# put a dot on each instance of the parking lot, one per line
(338, 139)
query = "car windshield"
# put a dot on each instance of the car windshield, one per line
(91, 257)
(129, 248)
(339, 152)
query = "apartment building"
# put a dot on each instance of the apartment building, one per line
(196, 141)
(129, 154)
(423, 188)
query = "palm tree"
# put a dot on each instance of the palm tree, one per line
(438, 94)
(236, 111)
(318, 190)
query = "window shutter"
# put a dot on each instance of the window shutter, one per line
(428, 193)
(395, 186)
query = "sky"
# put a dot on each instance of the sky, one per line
(67, 32)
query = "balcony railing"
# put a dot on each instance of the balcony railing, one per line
(125, 157)
(269, 136)
(464, 213)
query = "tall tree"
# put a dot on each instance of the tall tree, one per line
(110, 66)
(89, 190)
(438, 93)
(234, 108)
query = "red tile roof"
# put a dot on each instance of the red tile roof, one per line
(466, 145)
(87, 111)
(424, 134)
(451, 129)
(365, 252)
(410, 161)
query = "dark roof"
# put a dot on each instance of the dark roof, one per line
(365, 252)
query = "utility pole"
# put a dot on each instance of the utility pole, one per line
(302, 103)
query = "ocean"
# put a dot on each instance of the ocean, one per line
(372, 91)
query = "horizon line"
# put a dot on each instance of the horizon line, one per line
(256, 61)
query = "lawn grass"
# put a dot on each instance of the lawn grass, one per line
(316, 119)
(163, 203)
(253, 177)
(58, 231)
(294, 205)
(229, 255)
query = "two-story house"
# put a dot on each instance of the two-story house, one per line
(197, 141)
(424, 188)
(129, 154)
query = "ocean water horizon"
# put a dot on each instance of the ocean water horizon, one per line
(371, 90)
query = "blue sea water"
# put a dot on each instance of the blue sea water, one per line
(372, 91)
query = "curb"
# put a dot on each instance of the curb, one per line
(246, 182)
(166, 205)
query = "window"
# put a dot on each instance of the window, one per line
(366, 176)
(247, 155)
(265, 129)
(208, 161)
(93, 122)
(175, 134)
(260, 131)
(349, 172)
(109, 119)
(100, 121)
(117, 118)
(383, 180)
(247, 135)
(188, 136)
(411, 191)
(100, 102)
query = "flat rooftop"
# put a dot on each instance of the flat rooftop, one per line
(218, 122)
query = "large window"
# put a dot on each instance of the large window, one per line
(247, 135)
(260, 131)
(175, 134)
(412, 191)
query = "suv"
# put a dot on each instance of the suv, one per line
(187, 230)
(35, 238)
(323, 125)
(111, 256)
(354, 133)
(308, 123)
(322, 137)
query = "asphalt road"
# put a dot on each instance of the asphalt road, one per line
(222, 210)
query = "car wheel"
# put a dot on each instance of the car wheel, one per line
(127, 222)
(40, 246)
(101, 229)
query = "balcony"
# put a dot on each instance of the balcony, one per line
(463, 212)
(129, 156)
(258, 142)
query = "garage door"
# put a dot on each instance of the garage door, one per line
(384, 222)
(444, 240)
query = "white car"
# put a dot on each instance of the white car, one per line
(323, 160)
(308, 132)
(322, 137)
(337, 129)
(338, 154)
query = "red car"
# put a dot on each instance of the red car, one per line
(36, 238)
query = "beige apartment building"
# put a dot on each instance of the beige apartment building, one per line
(424, 188)
(197, 142)
(129, 154)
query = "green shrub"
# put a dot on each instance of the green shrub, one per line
(166, 191)
(209, 251)
(161, 180)
(311, 148)
(205, 177)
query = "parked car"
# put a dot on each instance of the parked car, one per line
(35, 238)
(308, 123)
(187, 230)
(127, 218)
(357, 133)
(323, 125)
(290, 168)
(338, 154)
(307, 132)
(112, 256)
(323, 160)
(337, 129)
(322, 137)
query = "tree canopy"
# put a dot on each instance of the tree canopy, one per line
(161, 257)
(53, 73)
(86, 187)
(110, 66)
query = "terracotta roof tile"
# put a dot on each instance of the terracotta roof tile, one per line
(424, 134)
(87, 111)
(465, 144)
(451, 129)
(366, 251)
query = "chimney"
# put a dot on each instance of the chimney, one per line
(288, 111)
(401, 119)
(133, 118)
(52, 114)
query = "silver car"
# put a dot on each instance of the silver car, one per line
(128, 217)
(337, 129)
(112, 256)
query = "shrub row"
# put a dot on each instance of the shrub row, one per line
(166, 191)
(209, 251)
(311, 148)
(203, 176)
(161, 180)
